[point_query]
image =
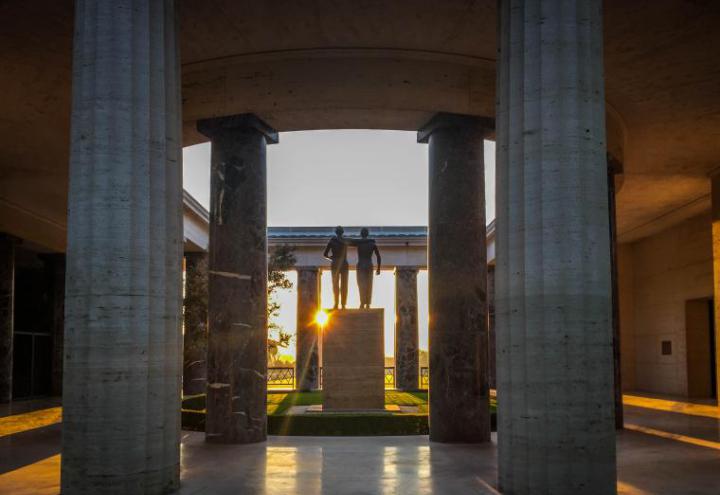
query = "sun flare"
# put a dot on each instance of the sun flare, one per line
(321, 318)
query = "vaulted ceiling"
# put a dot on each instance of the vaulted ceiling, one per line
(303, 64)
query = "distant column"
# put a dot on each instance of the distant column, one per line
(406, 329)
(7, 303)
(715, 184)
(457, 279)
(492, 366)
(614, 167)
(55, 277)
(237, 305)
(308, 303)
(195, 323)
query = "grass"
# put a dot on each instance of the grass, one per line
(349, 424)
(280, 402)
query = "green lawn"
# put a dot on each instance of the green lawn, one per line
(280, 402)
(280, 423)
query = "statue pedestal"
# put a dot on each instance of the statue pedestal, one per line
(354, 360)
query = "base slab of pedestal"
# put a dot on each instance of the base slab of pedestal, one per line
(353, 360)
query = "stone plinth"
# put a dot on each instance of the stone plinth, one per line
(353, 360)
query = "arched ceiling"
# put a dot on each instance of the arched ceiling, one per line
(303, 64)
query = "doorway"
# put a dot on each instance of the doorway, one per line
(700, 346)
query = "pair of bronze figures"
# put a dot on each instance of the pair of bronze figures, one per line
(336, 252)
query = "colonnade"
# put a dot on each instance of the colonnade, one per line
(123, 342)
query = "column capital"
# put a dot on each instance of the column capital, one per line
(445, 120)
(714, 173)
(615, 166)
(218, 126)
(407, 268)
(10, 238)
(195, 254)
(309, 268)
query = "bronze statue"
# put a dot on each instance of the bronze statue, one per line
(365, 249)
(337, 248)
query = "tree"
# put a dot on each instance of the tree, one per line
(280, 260)
(195, 308)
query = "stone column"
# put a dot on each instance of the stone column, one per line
(121, 389)
(457, 278)
(307, 371)
(195, 324)
(556, 429)
(55, 279)
(715, 184)
(237, 306)
(7, 305)
(492, 338)
(613, 168)
(407, 365)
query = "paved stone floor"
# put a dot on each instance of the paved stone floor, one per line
(666, 461)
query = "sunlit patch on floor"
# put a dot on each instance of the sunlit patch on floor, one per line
(709, 411)
(18, 423)
(628, 489)
(673, 436)
(39, 478)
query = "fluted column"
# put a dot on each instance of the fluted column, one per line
(195, 324)
(237, 306)
(555, 360)
(457, 279)
(407, 365)
(7, 310)
(307, 371)
(121, 403)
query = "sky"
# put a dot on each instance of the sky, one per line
(344, 177)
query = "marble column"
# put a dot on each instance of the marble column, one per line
(307, 372)
(457, 279)
(715, 188)
(195, 323)
(55, 279)
(123, 346)
(407, 365)
(492, 338)
(7, 304)
(556, 431)
(237, 306)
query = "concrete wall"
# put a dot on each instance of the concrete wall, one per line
(658, 274)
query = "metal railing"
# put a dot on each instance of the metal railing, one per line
(284, 377)
(281, 377)
(389, 376)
